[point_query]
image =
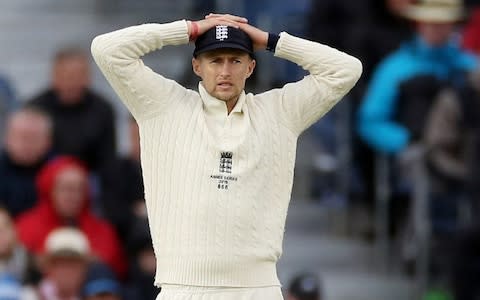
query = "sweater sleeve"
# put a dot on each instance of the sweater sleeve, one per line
(118, 55)
(332, 74)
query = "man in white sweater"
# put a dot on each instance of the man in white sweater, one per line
(218, 163)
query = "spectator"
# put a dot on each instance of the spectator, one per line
(83, 121)
(27, 147)
(304, 287)
(432, 52)
(64, 200)
(471, 34)
(101, 284)
(142, 259)
(392, 114)
(14, 259)
(66, 260)
(451, 134)
(453, 138)
(7, 103)
(122, 186)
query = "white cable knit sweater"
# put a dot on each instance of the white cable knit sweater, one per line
(217, 186)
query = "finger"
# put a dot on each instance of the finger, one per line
(228, 23)
(224, 21)
(228, 16)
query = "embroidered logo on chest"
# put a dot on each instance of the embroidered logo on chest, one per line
(226, 162)
(225, 168)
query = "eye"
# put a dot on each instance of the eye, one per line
(237, 61)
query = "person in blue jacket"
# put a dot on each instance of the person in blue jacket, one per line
(433, 51)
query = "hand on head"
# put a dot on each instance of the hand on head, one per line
(259, 37)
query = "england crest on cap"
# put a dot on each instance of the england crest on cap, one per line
(221, 32)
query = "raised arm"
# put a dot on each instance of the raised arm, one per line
(332, 74)
(118, 55)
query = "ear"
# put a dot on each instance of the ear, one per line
(251, 67)
(196, 67)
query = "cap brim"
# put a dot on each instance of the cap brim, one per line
(429, 14)
(222, 46)
(67, 253)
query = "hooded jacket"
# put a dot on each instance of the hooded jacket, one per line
(34, 225)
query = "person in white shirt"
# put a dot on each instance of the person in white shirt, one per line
(218, 163)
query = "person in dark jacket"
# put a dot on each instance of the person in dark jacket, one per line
(122, 186)
(83, 121)
(27, 147)
(142, 263)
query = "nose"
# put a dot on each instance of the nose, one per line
(225, 69)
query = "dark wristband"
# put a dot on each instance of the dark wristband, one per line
(272, 41)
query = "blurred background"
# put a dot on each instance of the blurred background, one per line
(385, 194)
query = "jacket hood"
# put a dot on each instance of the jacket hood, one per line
(45, 181)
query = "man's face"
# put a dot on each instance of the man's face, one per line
(71, 78)
(69, 192)
(27, 139)
(435, 34)
(224, 72)
(68, 274)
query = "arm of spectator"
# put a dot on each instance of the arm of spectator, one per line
(118, 54)
(332, 74)
(376, 126)
(443, 136)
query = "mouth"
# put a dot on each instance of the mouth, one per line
(225, 84)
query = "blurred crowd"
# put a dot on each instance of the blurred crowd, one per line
(72, 215)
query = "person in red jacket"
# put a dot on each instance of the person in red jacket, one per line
(63, 193)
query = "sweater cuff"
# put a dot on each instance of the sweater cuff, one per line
(272, 42)
(291, 47)
(174, 33)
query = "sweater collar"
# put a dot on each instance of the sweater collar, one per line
(215, 106)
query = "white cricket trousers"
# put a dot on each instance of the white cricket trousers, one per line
(176, 292)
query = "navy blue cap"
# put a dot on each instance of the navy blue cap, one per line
(222, 36)
(100, 280)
